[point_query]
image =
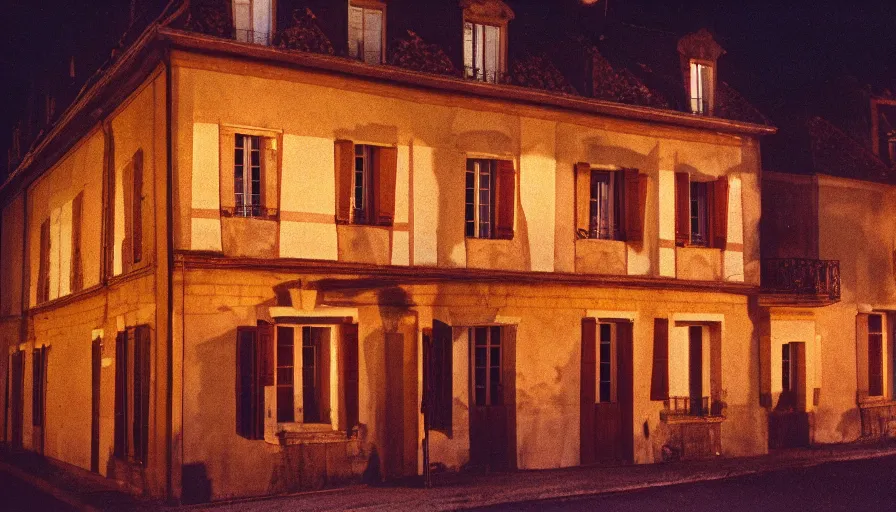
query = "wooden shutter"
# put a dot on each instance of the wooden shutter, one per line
(77, 272)
(128, 241)
(719, 211)
(249, 396)
(659, 383)
(265, 354)
(137, 214)
(862, 355)
(345, 167)
(682, 208)
(588, 391)
(384, 172)
(270, 176)
(141, 392)
(508, 389)
(350, 355)
(635, 205)
(228, 171)
(583, 199)
(875, 356)
(443, 377)
(43, 272)
(121, 399)
(38, 381)
(505, 199)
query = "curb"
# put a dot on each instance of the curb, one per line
(46, 487)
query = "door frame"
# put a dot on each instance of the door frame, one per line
(507, 389)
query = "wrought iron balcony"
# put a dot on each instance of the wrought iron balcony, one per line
(800, 281)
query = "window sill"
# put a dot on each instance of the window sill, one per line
(876, 401)
(327, 436)
(686, 419)
(264, 214)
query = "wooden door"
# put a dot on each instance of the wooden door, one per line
(788, 423)
(95, 364)
(492, 442)
(695, 369)
(16, 398)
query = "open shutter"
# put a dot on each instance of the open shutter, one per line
(270, 177)
(121, 399)
(77, 272)
(137, 213)
(249, 415)
(720, 213)
(505, 199)
(588, 390)
(141, 392)
(635, 205)
(583, 199)
(659, 383)
(265, 354)
(228, 172)
(443, 374)
(351, 389)
(384, 172)
(128, 242)
(862, 355)
(682, 208)
(508, 389)
(345, 166)
(43, 271)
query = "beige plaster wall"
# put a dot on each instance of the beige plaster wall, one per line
(12, 245)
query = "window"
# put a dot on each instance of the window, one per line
(875, 355)
(316, 374)
(610, 204)
(793, 377)
(482, 52)
(490, 197)
(247, 175)
(252, 20)
(786, 384)
(307, 361)
(132, 368)
(60, 269)
(362, 186)
(606, 385)
(603, 212)
(365, 33)
(438, 376)
(285, 374)
(43, 272)
(699, 214)
(700, 87)
(365, 183)
(891, 145)
(39, 386)
(486, 344)
(694, 369)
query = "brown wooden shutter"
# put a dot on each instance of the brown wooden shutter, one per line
(228, 171)
(635, 205)
(508, 389)
(121, 399)
(265, 354)
(77, 271)
(583, 199)
(505, 199)
(798, 362)
(141, 392)
(588, 391)
(720, 213)
(38, 381)
(862, 355)
(43, 271)
(137, 215)
(345, 167)
(659, 383)
(128, 241)
(350, 354)
(384, 173)
(875, 356)
(443, 377)
(270, 176)
(249, 395)
(682, 208)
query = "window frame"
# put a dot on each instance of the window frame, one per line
(610, 365)
(702, 102)
(470, 72)
(876, 383)
(268, 36)
(614, 205)
(364, 6)
(334, 380)
(134, 361)
(493, 391)
(255, 209)
(474, 169)
(365, 154)
(699, 210)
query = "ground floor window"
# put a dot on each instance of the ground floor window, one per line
(39, 386)
(486, 343)
(693, 371)
(132, 367)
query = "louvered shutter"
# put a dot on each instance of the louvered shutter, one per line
(443, 374)
(635, 205)
(270, 177)
(77, 270)
(227, 176)
(137, 213)
(384, 172)
(141, 392)
(720, 213)
(659, 383)
(265, 354)
(682, 208)
(588, 390)
(505, 199)
(350, 354)
(345, 166)
(862, 355)
(121, 400)
(583, 199)
(43, 271)
(127, 243)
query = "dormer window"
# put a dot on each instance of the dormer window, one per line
(485, 39)
(366, 30)
(701, 87)
(253, 21)
(891, 146)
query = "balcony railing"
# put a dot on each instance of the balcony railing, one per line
(686, 406)
(799, 276)
(252, 36)
(484, 75)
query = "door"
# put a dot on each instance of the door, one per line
(492, 403)
(789, 421)
(95, 365)
(606, 397)
(695, 369)
(16, 398)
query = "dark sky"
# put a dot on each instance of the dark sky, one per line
(777, 49)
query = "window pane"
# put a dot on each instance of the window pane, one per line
(492, 45)
(480, 357)
(261, 11)
(495, 386)
(355, 31)
(481, 335)
(468, 48)
(373, 34)
(496, 335)
(241, 21)
(478, 51)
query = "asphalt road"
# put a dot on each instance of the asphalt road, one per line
(16, 496)
(852, 485)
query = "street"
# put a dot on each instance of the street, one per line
(851, 485)
(16, 495)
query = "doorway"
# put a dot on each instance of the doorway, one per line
(492, 398)
(606, 422)
(16, 398)
(789, 421)
(95, 366)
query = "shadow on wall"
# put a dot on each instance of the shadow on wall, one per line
(195, 484)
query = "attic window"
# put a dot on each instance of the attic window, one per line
(701, 87)
(891, 144)
(253, 21)
(485, 39)
(366, 24)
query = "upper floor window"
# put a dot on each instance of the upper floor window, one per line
(701, 212)
(610, 204)
(60, 269)
(891, 146)
(875, 355)
(490, 196)
(604, 202)
(365, 183)
(247, 175)
(253, 21)
(700, 87)
(482, 52)
(366, 34)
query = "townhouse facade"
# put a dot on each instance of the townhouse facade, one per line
(236, 268)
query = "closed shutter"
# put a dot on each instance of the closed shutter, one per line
(508, 388)
(350, 354)
(270, 177)
(583, 199)
(228, 172)
(720, 213)
(38, 380)
(265, 354)
(682, 208)
(384, 173)
(77, 271)
(345, 166)
(141, 392)
(137, 214)
(443, 374)
(249, 406)
(505, 200)
(588, 391)
(659, 382)
(121, 398)
(875, 356)
(635, 205)
(43, 272)
(127, 255)
(862, 355)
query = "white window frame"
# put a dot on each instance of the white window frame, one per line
(611, 368)
(253, 206)
(252, 33)
(475, 46)
(337, 415)
(701, 87)
(478, 222)
(357, 46)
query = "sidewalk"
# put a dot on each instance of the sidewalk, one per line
(461, 491)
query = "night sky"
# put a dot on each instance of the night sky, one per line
(779, 51)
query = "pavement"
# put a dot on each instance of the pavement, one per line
(79, 490)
